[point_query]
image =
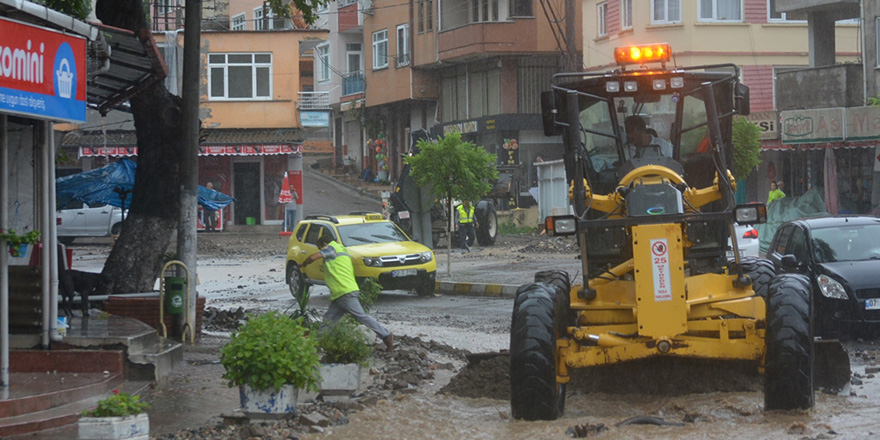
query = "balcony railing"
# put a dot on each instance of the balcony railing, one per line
(403, 60)
(314, 100)
(353, 83)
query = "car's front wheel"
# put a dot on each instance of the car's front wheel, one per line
(296, 281)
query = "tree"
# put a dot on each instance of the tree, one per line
(137, 257)
(453, 170)
(746, 140)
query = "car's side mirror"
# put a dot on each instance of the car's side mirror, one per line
(789, 262)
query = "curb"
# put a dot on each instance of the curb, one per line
(476, 289)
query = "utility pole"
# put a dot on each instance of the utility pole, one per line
(572, 61)
(189, 166)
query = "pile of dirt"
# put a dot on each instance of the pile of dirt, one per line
(555, 245)
(490, 378)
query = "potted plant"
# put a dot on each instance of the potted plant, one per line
(344, 349)
(19, 244)
(270, 358)
(120, 416)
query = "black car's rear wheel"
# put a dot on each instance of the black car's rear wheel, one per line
(296, 281)
(788, 361)
(535, 393)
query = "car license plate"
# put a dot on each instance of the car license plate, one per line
(404, 273)
(872, 304)
(403, 214)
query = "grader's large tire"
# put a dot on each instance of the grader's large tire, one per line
(788, 368)
(761, 271)
(488, 219)
(561, 281)
(535, 394)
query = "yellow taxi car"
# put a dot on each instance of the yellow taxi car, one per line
(378, 248)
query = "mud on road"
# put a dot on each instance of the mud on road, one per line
(451, 398)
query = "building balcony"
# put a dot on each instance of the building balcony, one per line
(489, 39)
(839, 85)
(402, 60)
(350, 16)
(353, 83)
(314, 101)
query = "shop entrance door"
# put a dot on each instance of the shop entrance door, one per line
(247, 192)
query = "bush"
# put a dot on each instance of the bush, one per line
(269, 351)
(510, 228)
(344, 343)
(118, 405)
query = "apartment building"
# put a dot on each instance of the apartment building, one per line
(770, 40)
(250, 95)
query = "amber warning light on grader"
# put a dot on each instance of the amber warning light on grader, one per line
(650, 53)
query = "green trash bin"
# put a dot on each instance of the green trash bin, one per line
(250, 221)
(175, 295)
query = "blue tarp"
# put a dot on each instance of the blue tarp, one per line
(104, 185)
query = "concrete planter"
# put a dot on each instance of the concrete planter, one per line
(268, 401)
(114, 428)
(339, 381)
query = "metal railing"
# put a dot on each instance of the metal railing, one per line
(403, 60)
(353, 83)
(314, 100)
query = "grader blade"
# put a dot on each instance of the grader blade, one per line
(831, 368)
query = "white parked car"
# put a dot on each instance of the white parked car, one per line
(747, 240)
(81, 220)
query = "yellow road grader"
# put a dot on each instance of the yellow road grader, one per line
(652, 215)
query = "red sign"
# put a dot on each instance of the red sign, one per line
(211, 150)
(42, 72)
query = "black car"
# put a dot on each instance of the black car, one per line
(837, 259)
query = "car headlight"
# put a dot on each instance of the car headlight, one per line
(831, 288)
(372, 262)
(426, 257)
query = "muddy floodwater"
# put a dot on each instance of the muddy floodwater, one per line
(696, 415)
(696, 400)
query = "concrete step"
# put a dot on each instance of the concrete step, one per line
(72, 387)
(158, 358)
(56, 417)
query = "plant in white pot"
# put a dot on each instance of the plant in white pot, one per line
(270, 358)
(345, 348)
(118, 417)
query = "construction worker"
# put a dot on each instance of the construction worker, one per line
(465, 221)
(344, 291)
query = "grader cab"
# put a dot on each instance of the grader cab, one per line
(647, 154)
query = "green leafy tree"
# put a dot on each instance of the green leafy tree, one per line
(75, 8)
(453, 170)
(746, 148)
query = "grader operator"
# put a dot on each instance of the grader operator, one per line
(653, 213)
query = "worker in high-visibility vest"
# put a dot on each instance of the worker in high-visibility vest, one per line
(465, 223)
(344, 291)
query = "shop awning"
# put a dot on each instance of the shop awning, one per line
(217, 142)
(777, 145)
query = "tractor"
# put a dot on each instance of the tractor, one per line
(652, 215)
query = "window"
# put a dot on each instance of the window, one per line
(353, 57)
(665, 11)
(166, 7)
(403, 45)
(322, 60)
(521, 8)
(258, 18)
(240, 76)
(877, 40)
(239, 22)
(271, 21)
(421, 20)
(720, 10)
(772, 15)
(380, 49)
(429, 15)
(602, 16)
(626, 14)
(484, 10)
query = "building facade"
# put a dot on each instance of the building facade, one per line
(769, 41)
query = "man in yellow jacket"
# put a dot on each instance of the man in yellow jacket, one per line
(344, 291)
(465, 220)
